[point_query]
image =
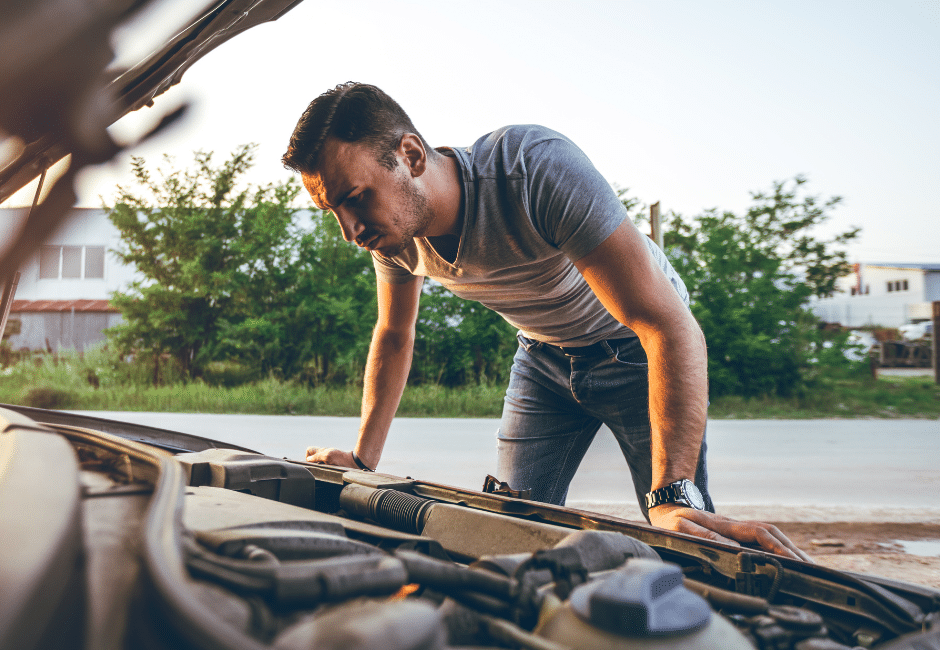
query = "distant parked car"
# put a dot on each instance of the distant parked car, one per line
(862, 342)
(916, 331)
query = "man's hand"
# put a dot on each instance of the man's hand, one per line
(330, 456)
(725, 530)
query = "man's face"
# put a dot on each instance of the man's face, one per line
(379, 209)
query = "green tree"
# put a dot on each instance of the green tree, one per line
(229, 271)
(750, 277)
(460, 341)
(340, 306)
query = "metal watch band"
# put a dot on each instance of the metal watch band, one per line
(663, 495)
(682, 492)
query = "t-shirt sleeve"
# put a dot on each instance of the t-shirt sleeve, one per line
(388, 271)
(572, 205)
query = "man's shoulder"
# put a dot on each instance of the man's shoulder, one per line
(517, 136)
(511, 149)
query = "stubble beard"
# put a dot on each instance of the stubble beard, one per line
(413, 221)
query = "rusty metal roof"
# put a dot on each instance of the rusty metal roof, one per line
(45, 306)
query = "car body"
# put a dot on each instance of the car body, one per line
(121, 536)
(124, 536)
(916, 331)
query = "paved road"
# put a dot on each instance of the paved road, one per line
(875, 470)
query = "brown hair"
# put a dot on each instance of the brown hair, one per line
(352, 112)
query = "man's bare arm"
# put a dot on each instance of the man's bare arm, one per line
(386, 373)
(636, 292)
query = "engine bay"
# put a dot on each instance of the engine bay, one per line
(226, 548)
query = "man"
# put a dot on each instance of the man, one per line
(522, 222)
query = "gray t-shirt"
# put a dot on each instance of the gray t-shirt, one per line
(533, 204)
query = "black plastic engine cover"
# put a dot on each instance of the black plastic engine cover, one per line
(261, 476)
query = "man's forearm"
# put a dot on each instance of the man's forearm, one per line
(678, 400)
(386, 373)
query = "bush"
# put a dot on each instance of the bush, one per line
(49, 398)
(229, 374)
(750, 277)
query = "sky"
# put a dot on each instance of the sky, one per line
(695, 104)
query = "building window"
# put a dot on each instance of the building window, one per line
(69, 262)
(49, 262)
(94, 262)
(898, 285)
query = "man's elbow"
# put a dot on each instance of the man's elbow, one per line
(390, 339)
(677, 331)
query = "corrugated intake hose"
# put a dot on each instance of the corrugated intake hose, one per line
(399, 510)
(778, 580)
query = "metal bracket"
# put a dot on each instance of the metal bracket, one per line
(492, 485)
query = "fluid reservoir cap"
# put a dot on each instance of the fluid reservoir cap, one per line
(644, 598)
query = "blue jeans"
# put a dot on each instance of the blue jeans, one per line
(554, 406)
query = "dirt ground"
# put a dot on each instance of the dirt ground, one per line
(869, 548)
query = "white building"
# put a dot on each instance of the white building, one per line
(889, 295)
(61, 300)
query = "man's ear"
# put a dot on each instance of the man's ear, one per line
(413, 153)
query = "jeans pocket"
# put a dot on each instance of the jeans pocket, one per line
(630, 353)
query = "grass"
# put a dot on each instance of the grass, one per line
(841, 397)
(97, 382)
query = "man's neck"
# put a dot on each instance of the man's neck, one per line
(446, 196)
(448, 208)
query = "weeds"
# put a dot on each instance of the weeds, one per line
(99, 380)
(842, 395)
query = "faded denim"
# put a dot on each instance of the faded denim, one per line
(554, 406)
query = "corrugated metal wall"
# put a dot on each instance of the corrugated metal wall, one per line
(61, 330)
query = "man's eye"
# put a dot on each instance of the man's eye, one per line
(352, 200)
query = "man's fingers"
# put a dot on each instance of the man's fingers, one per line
(772, 539)
(781, 537)
(768, 537)
(316, 454)
(800, 555)
(770, 542)
(690, 527)
(722, 529)
(330, 456)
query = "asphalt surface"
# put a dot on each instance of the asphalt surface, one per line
(774, 470)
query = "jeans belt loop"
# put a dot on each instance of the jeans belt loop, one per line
(527, 343)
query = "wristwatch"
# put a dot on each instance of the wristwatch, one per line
(683, 493)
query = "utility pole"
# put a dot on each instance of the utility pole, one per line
(6, 300)
(936, 345)
(656, 227)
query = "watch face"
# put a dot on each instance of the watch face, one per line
(693, 495)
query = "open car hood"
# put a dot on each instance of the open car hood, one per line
(59, 96)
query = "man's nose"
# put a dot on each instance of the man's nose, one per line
(349, 225)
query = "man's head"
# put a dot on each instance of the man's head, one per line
(360, 157)
(351, 112)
